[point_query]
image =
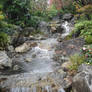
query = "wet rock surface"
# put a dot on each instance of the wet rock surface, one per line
(5, 61)
(38, 71)
(67, 17)
(55, 27)
(43, 27)
(70, 47)
(82, 82)
(67, 48)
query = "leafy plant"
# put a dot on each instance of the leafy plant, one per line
(87, 51)
(86, 10)
(84, 29)
(17, 10)
(52, 12)
(4, 40)
(76, 60)
(88, 39)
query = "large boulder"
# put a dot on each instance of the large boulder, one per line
(82, 82)
(43, 27)
(25, 47)
(21, 36)
(56, 27)
(70, 47)
(5, 61)
(28, 31)
(67, 17)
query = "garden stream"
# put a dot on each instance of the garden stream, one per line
(37, 70)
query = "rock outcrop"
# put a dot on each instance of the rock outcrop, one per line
(82, 82)
(67, 17)
(5, 61)
(70, 47)
(56, 27)
(25, 47)
(43, 27)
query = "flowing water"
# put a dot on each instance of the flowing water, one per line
(37, 63)
(67, 29)
(40, 64)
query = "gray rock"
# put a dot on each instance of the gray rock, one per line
(16, 67)
(27, 31)
(71, 47)
(5, 61)
(56, 27)
(25, 47)
(11, 48)
(82, 82)
(60, 78)
(68, 16)
(22, 48)
(43, 27)
(21, 36)
(72, 21)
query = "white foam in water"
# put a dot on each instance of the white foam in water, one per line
(67, 29)
(42, 50)
(61, 90)
(48, 88)
(34, 89)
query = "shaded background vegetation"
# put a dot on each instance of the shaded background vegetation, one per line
(28, 13)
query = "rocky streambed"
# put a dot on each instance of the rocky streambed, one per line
(39, 70)
(40, 64)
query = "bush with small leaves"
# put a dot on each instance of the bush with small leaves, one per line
(84, 29)
(4, 40)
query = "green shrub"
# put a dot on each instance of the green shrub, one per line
(52, 12)
(17, 10)
(88, 39)
(85, 10)
(84, 28)
(4, 40)
(34, 21)
(76, 60)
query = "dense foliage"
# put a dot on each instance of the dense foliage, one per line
(76, 59)
(27, 13)
(4, 40)
(17, 11)
(84, 29)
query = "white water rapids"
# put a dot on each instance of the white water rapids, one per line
(67, 29)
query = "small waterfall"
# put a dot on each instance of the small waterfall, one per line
(48, 88)
(61, 90)
(37, 89)
(23, 89)
(67, 29)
